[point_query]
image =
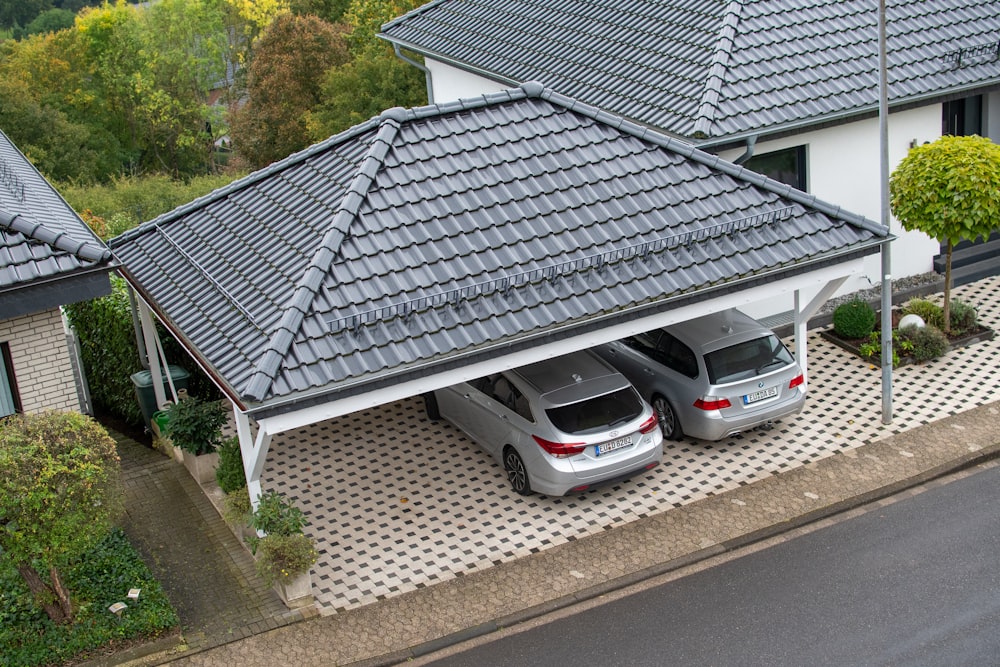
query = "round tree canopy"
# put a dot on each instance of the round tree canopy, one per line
(949, 189)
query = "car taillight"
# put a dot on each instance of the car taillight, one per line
(796, 381)
(649, 425)
(712, 403)
(560, 450)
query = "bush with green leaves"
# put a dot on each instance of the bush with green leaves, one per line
(99, 577)
(110, 355)
(928, 342)
(964, 318)
(931, 313)
(277, 515)
(854, 319)
(281, 558)
(60, 493)
(229, 473)
(236, 508)
(195, 425)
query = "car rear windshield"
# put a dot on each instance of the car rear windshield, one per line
(601, 413)
(747, 360)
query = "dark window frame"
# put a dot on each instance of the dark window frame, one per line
(787, 165)
(10, 378)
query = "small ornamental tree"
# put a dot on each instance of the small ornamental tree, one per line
(60, 493)
(950, 190)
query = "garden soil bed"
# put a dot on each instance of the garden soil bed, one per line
(853, 345)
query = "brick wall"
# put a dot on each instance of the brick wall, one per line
(41, 360)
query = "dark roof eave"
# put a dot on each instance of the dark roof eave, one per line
(331, 393)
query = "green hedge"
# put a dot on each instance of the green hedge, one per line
(110, 354)
(102, 577)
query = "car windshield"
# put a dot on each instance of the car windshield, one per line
(747, 360)
(600, 413)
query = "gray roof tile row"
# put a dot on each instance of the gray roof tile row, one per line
(714, 69)
(410, 240)
(41, 237)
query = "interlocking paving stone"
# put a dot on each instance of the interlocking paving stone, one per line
(397, 502)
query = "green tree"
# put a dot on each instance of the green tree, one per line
(51, 20)
(331, 11)
(283, 83)
(950, 190)
(366, 17)
(363, 88)
(60, 493)
(21, 12)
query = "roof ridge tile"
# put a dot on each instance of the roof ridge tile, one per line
(307, 288)
(705, 115)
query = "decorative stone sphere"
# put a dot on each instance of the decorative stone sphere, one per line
(911, 320)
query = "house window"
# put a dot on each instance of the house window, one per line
(962, 118)
(787, 166)
(10, 400)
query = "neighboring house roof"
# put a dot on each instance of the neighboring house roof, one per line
(711, 69)
(48, 254)
(448, 234)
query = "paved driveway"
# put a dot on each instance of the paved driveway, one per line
(397, 502)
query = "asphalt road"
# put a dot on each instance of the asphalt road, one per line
(912, 582)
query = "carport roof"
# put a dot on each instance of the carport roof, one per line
(714, 70)
(436, 237)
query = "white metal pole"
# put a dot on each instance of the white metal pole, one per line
(883, 131)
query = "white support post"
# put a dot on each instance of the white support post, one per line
(149, 338)
(802, 317)
(254, 453)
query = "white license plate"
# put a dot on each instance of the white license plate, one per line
(760, 395)
(613, 445)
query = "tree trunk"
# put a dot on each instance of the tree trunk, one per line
(60, 590)
(43, 593)
(947, 289)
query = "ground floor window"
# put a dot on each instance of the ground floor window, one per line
(787, 166)
(962, 118)
(10, 401)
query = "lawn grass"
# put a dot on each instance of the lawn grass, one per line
(104, 576)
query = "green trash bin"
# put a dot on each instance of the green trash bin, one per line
(146, 395)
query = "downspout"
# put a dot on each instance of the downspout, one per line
(420, 66)
(748, 153)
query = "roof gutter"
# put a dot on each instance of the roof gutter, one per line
(831, 119)
(492, 76)
(748, 153)
(420, 66)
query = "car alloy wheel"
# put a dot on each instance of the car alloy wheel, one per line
(517, 474)
(668, 419)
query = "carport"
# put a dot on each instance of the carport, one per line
(430, 246)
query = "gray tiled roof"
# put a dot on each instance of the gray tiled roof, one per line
(41, 237)
(277, 280)
(709, 69)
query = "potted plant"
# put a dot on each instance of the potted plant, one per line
(231, 478)
(284, 554)
(195, 426)
(238, 513)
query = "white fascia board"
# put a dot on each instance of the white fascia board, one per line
(338, 408)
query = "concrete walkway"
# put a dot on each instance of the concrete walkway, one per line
(229, 619)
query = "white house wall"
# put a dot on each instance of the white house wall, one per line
(843, 169)
(450, 83)
(41, 360)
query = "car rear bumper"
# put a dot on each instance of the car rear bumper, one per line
(712, 425)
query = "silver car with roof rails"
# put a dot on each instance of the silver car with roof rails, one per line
(558, 426)
(711, 377)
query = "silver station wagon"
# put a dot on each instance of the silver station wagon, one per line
(711, 377)
(558, 426)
